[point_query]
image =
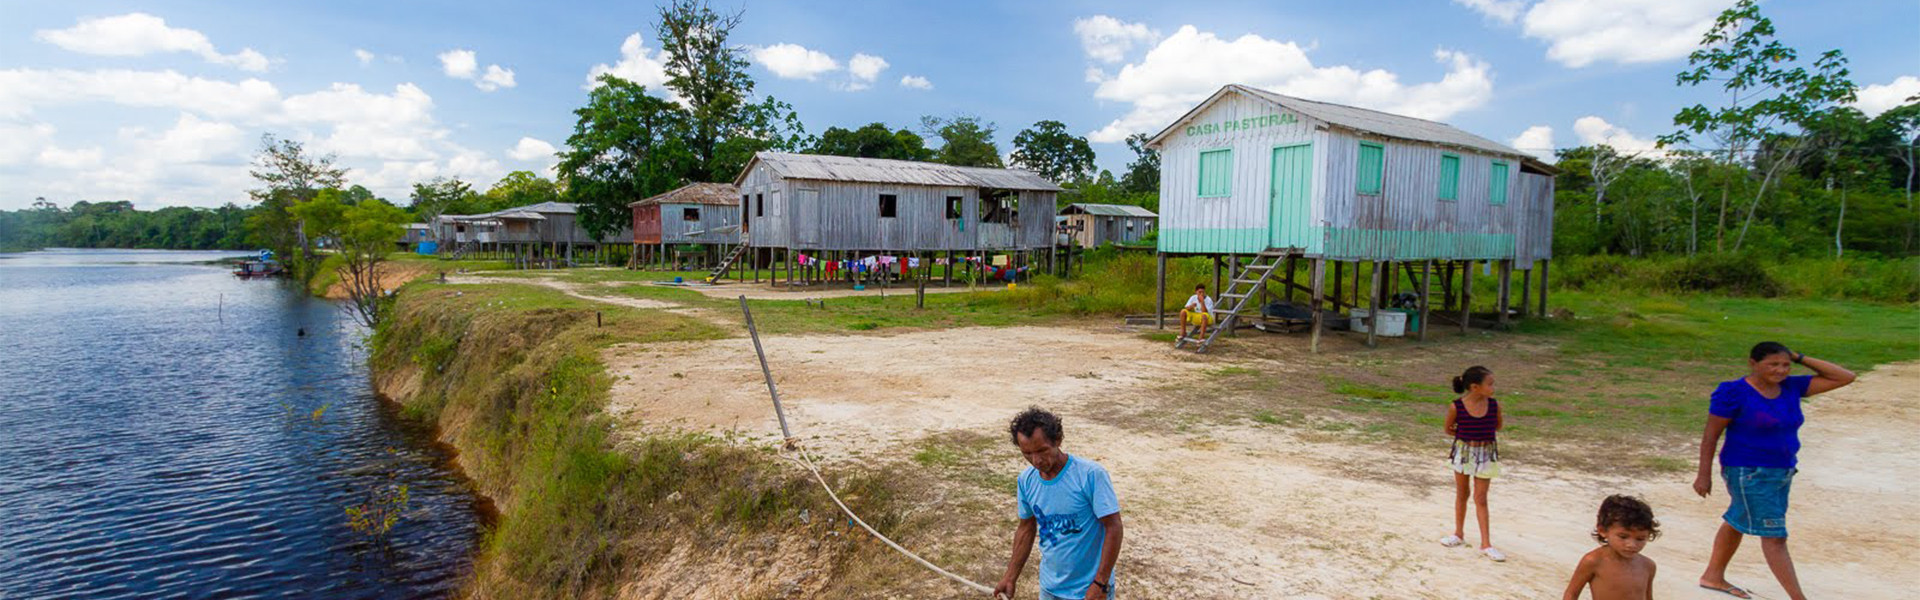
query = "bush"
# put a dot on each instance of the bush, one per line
(1736, 274)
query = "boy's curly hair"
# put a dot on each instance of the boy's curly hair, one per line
(1626, 511)
(1035, 419)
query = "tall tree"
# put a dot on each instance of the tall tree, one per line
(1767, 98)
(626, 145)
(442, 196)
(1904, 123)
(873, 140)
(1048, 149)
(521, 188)
(1143, 174)
(707, 73)
(966, 141)
(289, 175)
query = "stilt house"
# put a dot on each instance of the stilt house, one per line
(701, 213)
(1095, 225)
(1250, 174)
(545, 233)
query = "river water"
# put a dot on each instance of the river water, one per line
(165, 432)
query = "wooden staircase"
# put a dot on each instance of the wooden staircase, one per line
(1240, 291)
(721, 271)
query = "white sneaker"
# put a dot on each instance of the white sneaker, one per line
(1495, 554)
(1452, 541)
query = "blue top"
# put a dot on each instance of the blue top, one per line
(1765, 432)
(1067, 510)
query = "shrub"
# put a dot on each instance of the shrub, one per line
(1736, 274)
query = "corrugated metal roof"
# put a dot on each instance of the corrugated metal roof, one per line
(1109, 210)
(880, 170)
(716, 194)
(1368, 121)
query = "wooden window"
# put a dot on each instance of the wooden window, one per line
(1497, 184)
(759, 205)
(689, 214)
(1449, 177)
(953, 207)
(889, 206)
(999, 206)
(1216, 173)
(1369, 168)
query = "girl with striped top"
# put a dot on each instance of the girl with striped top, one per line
(1474, 422)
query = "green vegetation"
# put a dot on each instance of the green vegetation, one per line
(120, 225)
(511, 374)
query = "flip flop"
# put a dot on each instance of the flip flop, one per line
(1730, 590)
(1452, 541)
(1495, 554)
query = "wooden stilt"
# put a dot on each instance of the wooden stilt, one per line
(1288, 286)
(1426, 286)
(1373, 305)
(1319, 317)
(1160, 291)
(1216, 276)
(1543, 287)
(1526, 290)
(1506, 291)
(1466, 294)
(1336, 285)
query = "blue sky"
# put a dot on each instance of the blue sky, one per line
(163, 103)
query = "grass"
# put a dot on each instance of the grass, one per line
(512, 374)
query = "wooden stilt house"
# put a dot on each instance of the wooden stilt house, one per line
(703, 214)
(1265, 183)
(1095, 225)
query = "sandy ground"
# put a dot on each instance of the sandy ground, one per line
(1260, 512)
(392, 276)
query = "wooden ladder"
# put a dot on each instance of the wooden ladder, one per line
(1241, 290)
(726, 264)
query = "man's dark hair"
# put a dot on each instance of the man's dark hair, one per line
(1626, 511)
(1199, 286)
(1033, 419)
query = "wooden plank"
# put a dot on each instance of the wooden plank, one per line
(1319, 320)
(1466, 294)
(1506, 291)
(1426, 288)
(1160, 292)
(1373, 306)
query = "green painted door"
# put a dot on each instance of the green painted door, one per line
(1290, 190)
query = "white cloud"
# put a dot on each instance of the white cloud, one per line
(1882, 97)
(21, 142)
(1504, 11)
(191, 140)
(464, 64)
(1108, 40)
(366, 58)
(916, 82)
(635, 65)
(60, 158)
(140, 34)
(1583, 32)
(21, 90)
(865, 69)
(1190, 65)
(495, 78)
(1536, 140)
(530, 149)
(793, 61)
(1595, 131)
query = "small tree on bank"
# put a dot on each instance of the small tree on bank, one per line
(362, 235)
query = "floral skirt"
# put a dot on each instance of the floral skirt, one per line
(1475, 459)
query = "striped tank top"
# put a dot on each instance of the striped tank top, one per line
(1469, 428)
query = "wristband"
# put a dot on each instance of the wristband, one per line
(1103, 587)
(1798, 357)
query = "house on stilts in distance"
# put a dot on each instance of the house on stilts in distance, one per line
(804, 211)
(1096, 225)
(540, 235)
(703, 214)
(1294, 192)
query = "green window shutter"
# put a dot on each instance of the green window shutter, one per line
(1449, 177)
(1497, 182)
(1216, 173)
(1369, 170)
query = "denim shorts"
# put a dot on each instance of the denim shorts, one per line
(1759, 499)
(1111, 595)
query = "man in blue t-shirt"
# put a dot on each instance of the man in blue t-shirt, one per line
(1067, 503)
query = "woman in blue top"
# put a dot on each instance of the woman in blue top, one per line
(1760, 414)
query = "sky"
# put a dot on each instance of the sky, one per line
(165, 103)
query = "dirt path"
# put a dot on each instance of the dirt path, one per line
(1249, 511)
(755, 291)
(587, 292)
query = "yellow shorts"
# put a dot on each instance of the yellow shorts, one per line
(1202, 319)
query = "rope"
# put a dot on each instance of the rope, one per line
(807, 462)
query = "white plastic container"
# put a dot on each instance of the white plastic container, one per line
(1392, 323)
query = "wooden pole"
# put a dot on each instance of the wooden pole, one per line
(1466, 294)
(1426, 287)
(1373, 305)
(1160, 291)
(1543, 287)
(1506, 290)
(1319, 318)
(1336, 286)
(1289, 279)
(1216, 275)
(1526, 290)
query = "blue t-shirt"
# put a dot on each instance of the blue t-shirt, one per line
(1765, 432)
(1067, 511)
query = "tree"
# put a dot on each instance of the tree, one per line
(363, 234)
(1904, 122)
(1765, 97)
(626, 145)
(288, 176)
(521, 188)
(709, 75)
(965, 141)
(1143, 174)
(442, 196)
(767, 125)
(1048, 149)
(873, 141)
